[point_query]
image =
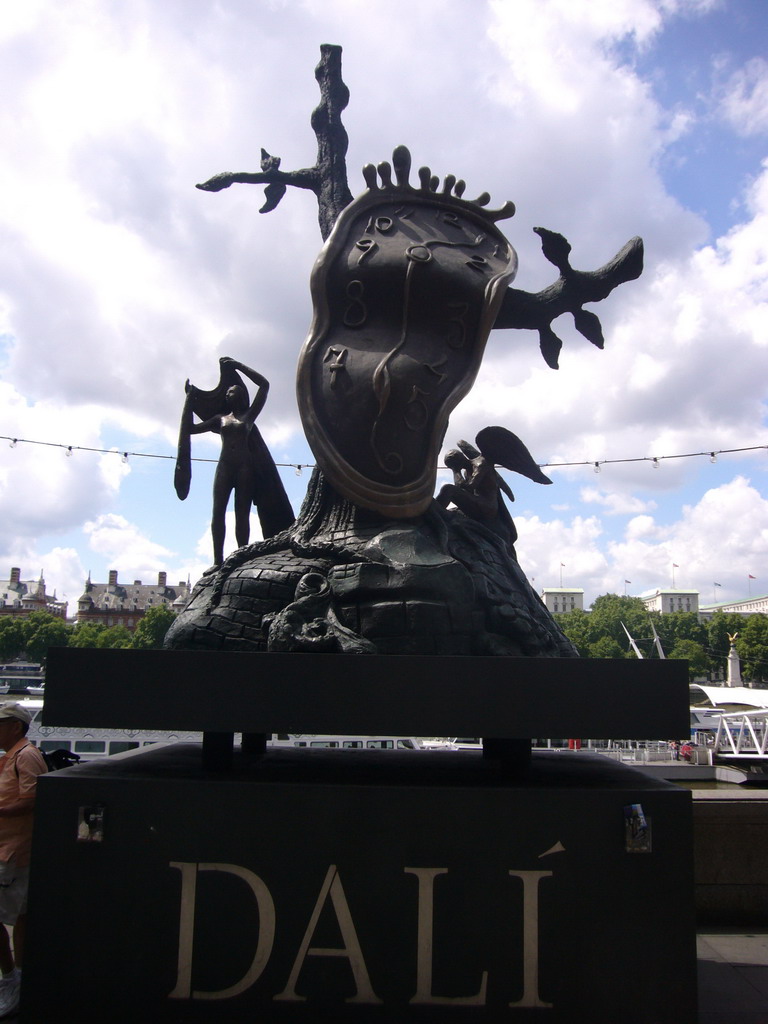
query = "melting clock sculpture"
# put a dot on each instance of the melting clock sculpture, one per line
(406, 290)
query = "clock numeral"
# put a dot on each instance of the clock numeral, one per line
(416, 412)
(435, 369)
(451, 219)
(368, 247)
(418, 254)
(458, 327)
(478, 263)
(356, 312)
(381, 224)
(339, 356)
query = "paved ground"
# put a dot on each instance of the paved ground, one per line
(733, 977)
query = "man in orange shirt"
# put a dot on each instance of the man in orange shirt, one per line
(19, 770)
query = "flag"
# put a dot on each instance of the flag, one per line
(562, 566)
(675, 565)
(751, 577)
(627, 581)
(717, 584)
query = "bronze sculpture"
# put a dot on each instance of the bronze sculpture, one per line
(245, 465)
(477, 489)
(408, 286)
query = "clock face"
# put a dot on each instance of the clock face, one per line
(405, 292)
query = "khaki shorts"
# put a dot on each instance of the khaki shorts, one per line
(13, 891)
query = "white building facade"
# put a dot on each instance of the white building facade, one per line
(667, 601)
(561, 600)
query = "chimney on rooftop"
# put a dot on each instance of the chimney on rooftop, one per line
(15, 575)
(161, 578)
(113, 577)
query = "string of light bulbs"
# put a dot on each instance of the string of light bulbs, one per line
(655, 460)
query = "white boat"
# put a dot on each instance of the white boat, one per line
(330, 742)
(93, 743)
(21, 676)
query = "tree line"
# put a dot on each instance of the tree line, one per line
(30, 636)
(704, 645)
(598, 633)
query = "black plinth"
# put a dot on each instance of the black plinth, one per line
(411, 695)
(352, 887)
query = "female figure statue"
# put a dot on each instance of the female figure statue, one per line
(245, 465)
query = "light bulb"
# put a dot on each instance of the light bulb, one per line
(597, 467)
(298, 471)
(712, 457)
(13, 443)
(68, 452)
(655, 463)
(125, 457)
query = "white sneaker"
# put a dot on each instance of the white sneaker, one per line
(10, 993)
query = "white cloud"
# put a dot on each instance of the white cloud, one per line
(125, 546)
(744, 99)
(722, 537)
(615, 504)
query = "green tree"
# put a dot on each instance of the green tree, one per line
(115, 636)
(12, 640)
(41, 631)
(694, 653)
(606, 647)
(87, 634)
(152, 628)
(718, 628)
(577, 628)
(681, 626)
(752, 646)
(611, 612)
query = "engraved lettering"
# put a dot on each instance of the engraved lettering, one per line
(424, 996)
(351, 950)
(266, 908)
(531, 880)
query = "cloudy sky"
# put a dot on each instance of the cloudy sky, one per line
(601, 119)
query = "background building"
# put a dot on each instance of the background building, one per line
(124, 604)
(748, 606)
(666, 601)
(22, 597)
(563, 599)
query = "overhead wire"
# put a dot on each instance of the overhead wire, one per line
(596, 465)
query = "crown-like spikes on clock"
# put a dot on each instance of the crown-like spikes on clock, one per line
(453, 188)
